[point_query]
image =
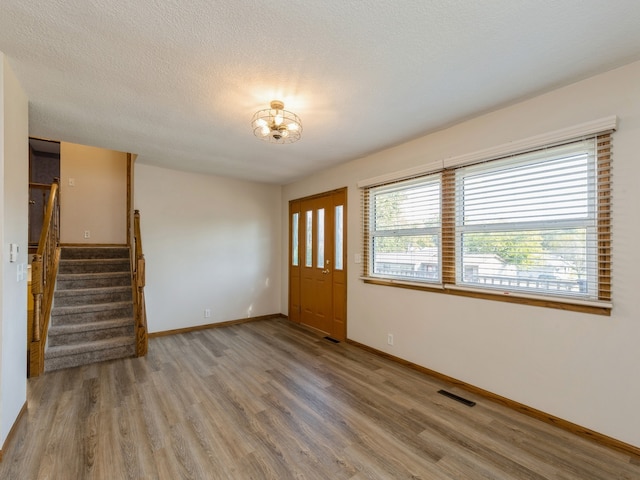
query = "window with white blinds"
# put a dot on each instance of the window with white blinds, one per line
(404, 229)
(532, 225)
(530, 222)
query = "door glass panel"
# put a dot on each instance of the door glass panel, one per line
(321, 238)
(308, 261)
(294, 239)
(339, 241)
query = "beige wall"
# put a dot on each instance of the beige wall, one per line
(579, 367)
(14, 200)
(209, 242)
(97, 201)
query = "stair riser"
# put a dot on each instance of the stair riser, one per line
(93, 267)
(67, 284)
(93, 299)
(85, 317)
(90, 336)
(93, 252)
(76, 360)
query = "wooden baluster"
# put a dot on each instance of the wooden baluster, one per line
(44, 204)
(37, 288)
(43, 269)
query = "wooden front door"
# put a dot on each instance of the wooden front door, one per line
(317, 262)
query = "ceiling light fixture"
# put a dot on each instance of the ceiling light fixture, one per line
(276, 125)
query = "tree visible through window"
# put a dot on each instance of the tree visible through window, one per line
(406, 229)
(527, 223)
(535, 223)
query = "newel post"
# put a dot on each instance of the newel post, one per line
(37, 289)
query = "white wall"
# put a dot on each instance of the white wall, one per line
(209, 242)
(14, 198)
(97, 201)
(579, 367)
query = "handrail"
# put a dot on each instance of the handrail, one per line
(44, 268)
(45, 189)
(138, 285)
(42, 186)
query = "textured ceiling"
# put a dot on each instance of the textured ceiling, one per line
(177, 82)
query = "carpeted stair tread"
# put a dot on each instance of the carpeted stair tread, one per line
(94, 265)
(66, 329)
(74, 333)
(92, 275)
(89, 313)
(94, 260)
(94, 252)
(71, 361)
(69, 281)
(93, 295)
(70, 292)
(110, 350)
(98, 307)
(95, 346)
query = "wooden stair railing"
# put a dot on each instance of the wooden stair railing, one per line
(44, 268)
(139, 307)
(43, 189)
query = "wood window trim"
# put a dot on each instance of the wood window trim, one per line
(499, 297)
(603, 142)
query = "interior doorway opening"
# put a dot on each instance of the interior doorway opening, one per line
(44, 169)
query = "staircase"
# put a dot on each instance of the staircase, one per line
(92, 316)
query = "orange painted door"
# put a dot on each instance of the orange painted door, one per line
(317, 274)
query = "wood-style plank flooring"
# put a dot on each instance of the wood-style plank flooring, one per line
(269, 399)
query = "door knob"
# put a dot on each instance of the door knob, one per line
(324, 272)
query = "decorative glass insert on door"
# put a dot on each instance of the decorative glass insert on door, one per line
(339, 240)
(294, 239)
(308, 261)
(320, 263)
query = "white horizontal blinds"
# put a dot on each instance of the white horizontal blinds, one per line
(604, 215)
(404, 229)
(365, 214)
(529, 222)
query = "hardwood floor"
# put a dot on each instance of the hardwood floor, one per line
(271, 400)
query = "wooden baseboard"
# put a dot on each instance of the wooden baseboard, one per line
(215, 325)
(519, 407)
(13, 430)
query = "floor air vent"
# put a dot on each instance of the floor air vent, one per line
(457, 398)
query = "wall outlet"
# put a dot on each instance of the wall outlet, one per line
(207, 313)
(87, 234)
(390, 338)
